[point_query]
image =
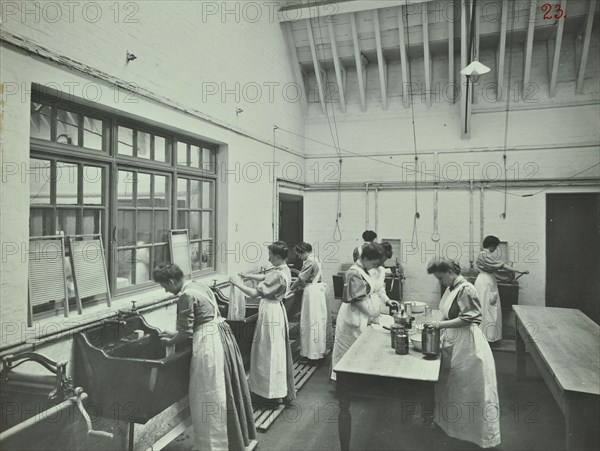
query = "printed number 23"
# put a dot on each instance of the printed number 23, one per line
(547, 8)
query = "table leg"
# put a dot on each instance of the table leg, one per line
(520, 351)
(428, 413)
(344, 423)
(581, 429)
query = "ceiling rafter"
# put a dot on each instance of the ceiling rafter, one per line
(586, 47)
(560, 25)
(361, 70)
(381, 61)
(318, 70)
(340, 71)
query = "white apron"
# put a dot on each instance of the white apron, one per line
(208, 402)
(268, 358)
(491, 309)
(313, 319)
(350, 324)
(466, 393)
(378, 279)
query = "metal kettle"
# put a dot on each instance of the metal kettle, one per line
(430, 341)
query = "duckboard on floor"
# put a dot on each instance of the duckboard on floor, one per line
(264, 417)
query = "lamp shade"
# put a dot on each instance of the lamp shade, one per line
(475, 68)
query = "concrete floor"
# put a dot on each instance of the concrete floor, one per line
(530, 419)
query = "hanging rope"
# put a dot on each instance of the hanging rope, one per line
(415, 233)
(337, 233)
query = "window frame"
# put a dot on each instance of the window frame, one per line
(111, 161)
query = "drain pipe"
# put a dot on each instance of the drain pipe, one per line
(367, 206)
(376, 209)
(471, 247)
(481, 215)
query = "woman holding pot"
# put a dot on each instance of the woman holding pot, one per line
(468, 372)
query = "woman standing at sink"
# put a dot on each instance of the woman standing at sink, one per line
(271, 371)
(313, 315)
(219, 396)
(487, 288)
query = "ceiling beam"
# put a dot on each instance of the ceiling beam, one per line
(296, 68)
(502, 48)
(557, 46)
(361, 72)
(451, 54)
(380, 61)
(529, 43)
(317, 66)
(328, 10)
(586, 47)
(405, 63)
(465, 104)
(339, 68)
(426, 55)
(476, 24)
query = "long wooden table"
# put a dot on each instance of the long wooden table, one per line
(565, 346)
(372, 369)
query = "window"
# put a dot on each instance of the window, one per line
(142, 225)
(195, 212)
(94, 173)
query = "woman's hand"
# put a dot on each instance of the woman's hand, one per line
(391, 303)
(436, 325)
(524, 272)
(236, 280)
(166, 337)
(375, 319)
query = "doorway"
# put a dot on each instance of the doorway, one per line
(291, 225)
(573, 252)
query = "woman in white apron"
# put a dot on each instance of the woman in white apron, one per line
(466, 393)
(356, 311)
(379, 298)
(487, 289)
(271, 365)
(313, 316)
(220, 401)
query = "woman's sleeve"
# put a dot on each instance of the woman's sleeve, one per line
(469, 305)
(185, 314)
(355, 289)
(487, 263)
(306, 274)
(272, 286)
(381, 287)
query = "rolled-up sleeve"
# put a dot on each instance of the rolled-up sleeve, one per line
(469, 305)
(272, 286)
(355, 289)
(185, 314)
(487, 263)
(306, 274)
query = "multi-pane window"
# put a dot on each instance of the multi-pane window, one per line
(94, 173)
(143, 223)
(195, 212)
(64, 126)
(65, 197)
(136, 143)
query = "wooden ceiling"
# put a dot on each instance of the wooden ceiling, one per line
(352, 34)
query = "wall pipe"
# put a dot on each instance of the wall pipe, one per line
(367, 205)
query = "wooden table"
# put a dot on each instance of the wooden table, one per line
(565, 346)
(372, 369)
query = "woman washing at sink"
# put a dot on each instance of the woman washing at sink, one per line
(271, 371)
(357, 309)
(217, 370)
(468, 372)
(487, 288)
(313, 316)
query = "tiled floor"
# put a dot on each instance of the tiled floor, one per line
(530, 420)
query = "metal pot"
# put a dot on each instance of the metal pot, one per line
(430, 339)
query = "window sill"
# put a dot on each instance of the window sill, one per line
(58, 327)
